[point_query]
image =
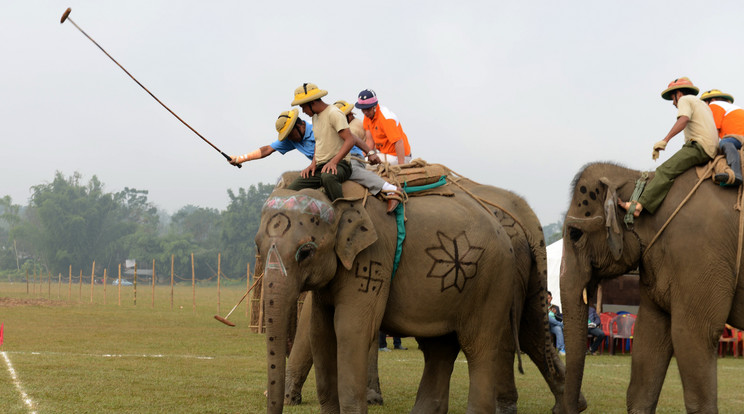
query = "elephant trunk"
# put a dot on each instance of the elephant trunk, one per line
(575, 315)
(280, 304)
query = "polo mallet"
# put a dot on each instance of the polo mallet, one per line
(224, 320)
(66, 17)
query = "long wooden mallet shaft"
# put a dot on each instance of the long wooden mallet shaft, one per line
(224, 320)
(66, 17)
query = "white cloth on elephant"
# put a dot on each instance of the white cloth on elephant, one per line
(361, 175)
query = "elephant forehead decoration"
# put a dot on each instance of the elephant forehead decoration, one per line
(455, 260)
(303, 204)
(587, 200)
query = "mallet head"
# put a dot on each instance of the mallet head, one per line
(65, 15)
(223, 320)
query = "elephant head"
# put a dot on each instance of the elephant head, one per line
(596, 246)
(301, 239)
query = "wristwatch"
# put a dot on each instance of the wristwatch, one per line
(372, 152)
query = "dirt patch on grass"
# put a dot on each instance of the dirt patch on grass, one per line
(13, 302)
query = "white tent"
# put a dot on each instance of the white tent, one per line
(555, 254)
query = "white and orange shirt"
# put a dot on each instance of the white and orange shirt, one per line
(729, 118)
(386, 131)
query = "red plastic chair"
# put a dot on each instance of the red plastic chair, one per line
(621, 327)
(606, 319)
(731, 337)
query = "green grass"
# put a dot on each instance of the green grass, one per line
(79, 357)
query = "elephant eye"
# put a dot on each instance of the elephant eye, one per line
(574, 234)
(305, 251)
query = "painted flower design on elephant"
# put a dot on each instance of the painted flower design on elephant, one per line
(455, 260)
(302, 203)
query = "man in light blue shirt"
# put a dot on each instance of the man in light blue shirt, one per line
(296, 134)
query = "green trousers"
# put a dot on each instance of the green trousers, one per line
(331, 182)
(689, 155)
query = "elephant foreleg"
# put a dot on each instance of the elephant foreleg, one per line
(300, 358)
(323, 344)
(439, 360)
(374, 394)
(652, 351)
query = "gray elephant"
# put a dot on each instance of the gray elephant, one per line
(690, 282)
(462, 261)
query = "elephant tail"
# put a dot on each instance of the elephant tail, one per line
(515, 331)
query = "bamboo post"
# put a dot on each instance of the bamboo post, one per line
(69, 284)
(49, 284)
(261, 310)
(152, 304)
(248, 278)
(92, 275)
(27, 281)
(59, 285)
(135, 283)
(119, 284)
(34, 282)
(104, 285)
(172, 258)
(80, 293)
(193, 284)
(219, 261)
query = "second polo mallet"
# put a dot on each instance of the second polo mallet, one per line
(66, 16)
(224, 320)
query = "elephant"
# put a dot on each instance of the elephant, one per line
(689, 287)
(471, 277)
(301, 360)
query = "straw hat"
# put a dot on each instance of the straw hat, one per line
(344, 106)
(716, 93)
(308, 92)
(286, 122)
(677, 84)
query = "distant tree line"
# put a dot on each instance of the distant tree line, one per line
(68, 222)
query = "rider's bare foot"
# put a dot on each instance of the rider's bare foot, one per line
(627, 204)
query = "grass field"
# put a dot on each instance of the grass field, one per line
(78, 357)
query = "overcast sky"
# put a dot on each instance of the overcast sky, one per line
(518, 95)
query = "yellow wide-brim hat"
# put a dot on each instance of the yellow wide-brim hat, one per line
(286, 122)
(308, 92)
(344, 106)
(679, 83)
(716, 93)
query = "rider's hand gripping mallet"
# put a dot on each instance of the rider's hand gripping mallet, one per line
(224, 320)
(66, 16)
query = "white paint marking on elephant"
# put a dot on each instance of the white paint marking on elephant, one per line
(26, 400)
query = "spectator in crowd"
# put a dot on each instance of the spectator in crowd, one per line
(396, 343)
(595, 330)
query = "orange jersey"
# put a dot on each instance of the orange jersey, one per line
(729, 118)
(386, 131)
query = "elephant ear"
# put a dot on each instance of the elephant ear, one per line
(355, 231)
(614, 233)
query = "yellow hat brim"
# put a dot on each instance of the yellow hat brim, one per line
(718, 95)
(345, 108)
(668, 91)
(289, 125)
(310, 96)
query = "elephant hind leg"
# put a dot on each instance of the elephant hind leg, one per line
(439, 360)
